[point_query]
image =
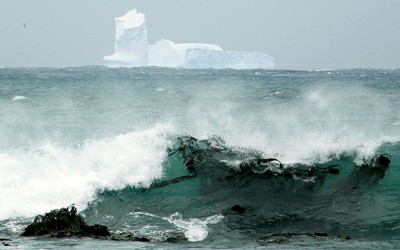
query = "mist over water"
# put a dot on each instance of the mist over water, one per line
(69, 135)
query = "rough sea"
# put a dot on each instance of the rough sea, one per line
(101, 138)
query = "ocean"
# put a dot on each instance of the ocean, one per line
(108, 140)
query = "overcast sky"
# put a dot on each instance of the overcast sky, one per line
(304, 34)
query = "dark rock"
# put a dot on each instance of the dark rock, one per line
(64, 222)
(238, 208)
(321, 234)
(97, 230)
(128, 237)
(176, 239)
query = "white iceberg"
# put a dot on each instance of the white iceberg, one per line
(204, 58)
(131, 49)
(131, 45)
(165, 53)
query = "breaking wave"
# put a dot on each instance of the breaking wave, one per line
(54, 175)
(203, 155)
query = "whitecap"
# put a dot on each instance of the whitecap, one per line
(18, 97)
(194, 229)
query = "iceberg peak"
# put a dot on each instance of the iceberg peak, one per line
(131, 45)
(131, 19)
(131, 49)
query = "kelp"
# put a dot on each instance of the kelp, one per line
(210, 158)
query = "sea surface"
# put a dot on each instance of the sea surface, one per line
(100, 138)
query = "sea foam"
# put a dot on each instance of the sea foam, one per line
(194, 229)
(18, 97)
(52, 176)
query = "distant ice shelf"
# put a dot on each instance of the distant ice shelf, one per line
(131, 49)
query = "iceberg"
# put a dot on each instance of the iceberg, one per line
(131, 49)
(204, 58)
(131, 45)
(165, 53)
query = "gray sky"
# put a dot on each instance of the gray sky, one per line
(302, 34)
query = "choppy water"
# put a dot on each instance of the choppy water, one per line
(96, 137)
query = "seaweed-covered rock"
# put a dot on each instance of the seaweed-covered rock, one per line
(63, 222)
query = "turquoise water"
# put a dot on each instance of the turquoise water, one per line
(98, 137)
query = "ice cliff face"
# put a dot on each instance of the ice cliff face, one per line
(131, 45)
(203, 58)
(165, 53)
(132, 50)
